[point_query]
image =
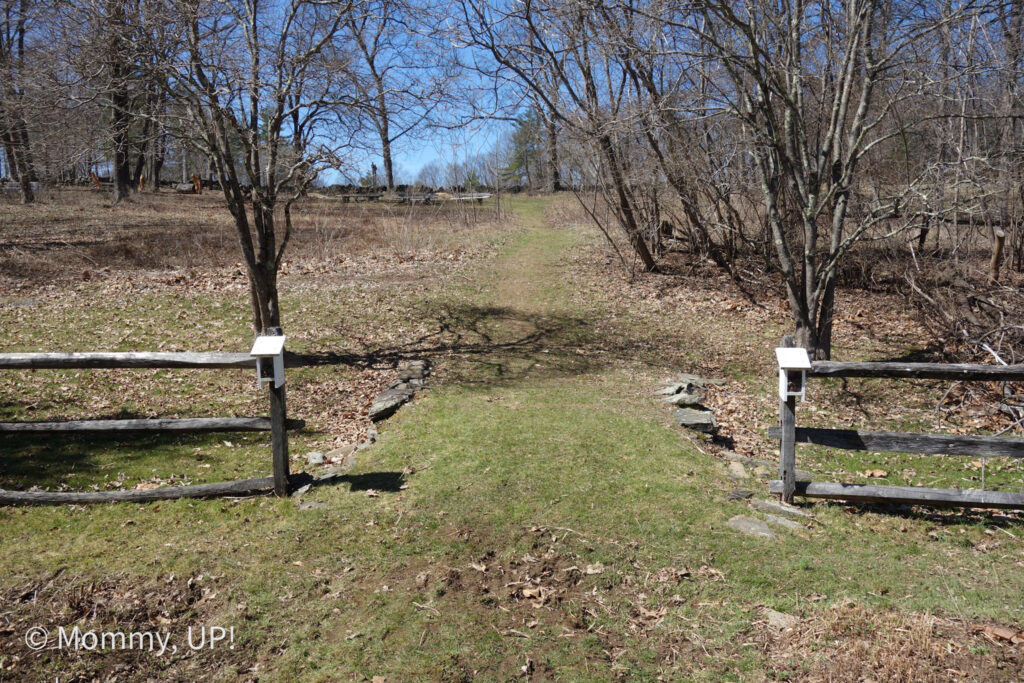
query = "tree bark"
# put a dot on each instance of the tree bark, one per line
(553, 174)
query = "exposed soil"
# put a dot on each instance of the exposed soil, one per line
(851, 643)
(165, 609)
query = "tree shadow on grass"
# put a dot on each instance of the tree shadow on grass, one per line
(82, 461)
(500, 344)
(942, 516)
(389, 482)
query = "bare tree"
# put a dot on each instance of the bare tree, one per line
(14, 134)
(257, 94)
(553, 50)
(814, 85)
(398, 81)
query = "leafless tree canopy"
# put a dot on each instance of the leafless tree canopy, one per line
(786, 132)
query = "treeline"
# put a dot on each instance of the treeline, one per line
(788, 131)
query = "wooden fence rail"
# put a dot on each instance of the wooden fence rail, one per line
(277, 424)
(789, 435)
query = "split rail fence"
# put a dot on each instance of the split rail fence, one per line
(276, 423)
(789, 435)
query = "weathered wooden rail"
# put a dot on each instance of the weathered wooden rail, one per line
(789, 435)
(277, 424)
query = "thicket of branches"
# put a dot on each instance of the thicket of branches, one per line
(794, 133)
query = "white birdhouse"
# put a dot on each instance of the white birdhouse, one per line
(793, 366)
(269, 355)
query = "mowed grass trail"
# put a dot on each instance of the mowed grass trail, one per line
(534, 515)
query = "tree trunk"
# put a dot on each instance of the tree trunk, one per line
(625, 209)
(998, 243)
(157, 164)
(553, 175)
(19, 163)
(384, 129)
(814, 327)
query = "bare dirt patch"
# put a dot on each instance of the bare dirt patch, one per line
(852, 643)
(165, 608)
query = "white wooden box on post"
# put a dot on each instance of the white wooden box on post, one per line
(269, 355)
(793, 366)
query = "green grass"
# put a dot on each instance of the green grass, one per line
(536, 462)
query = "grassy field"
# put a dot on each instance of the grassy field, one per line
(534, 515)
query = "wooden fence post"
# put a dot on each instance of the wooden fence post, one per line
(278, 431)
(787, 443)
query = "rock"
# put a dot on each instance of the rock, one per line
(699, 420)
(733, 456)
(738, 470)
(803, 475)
(389, 402)
(315, 458)
(782, 522)
(780, 620)
(670, 388)
(751, 527)
(776, 508)
(20, 302)
(301, 490)
(740, 494)
(687, 392)
(417, 369)
(341, 452)
(684, 398)
(698, 380)
(762, 472)
(333, 472)
(312, 505)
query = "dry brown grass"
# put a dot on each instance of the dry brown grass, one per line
(72, 232)
(849, 642)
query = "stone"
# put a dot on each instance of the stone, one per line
(740, 494)
(780, 620)
(312, 505)
(782, 522)
(341, 452)
(20, 302)
(301, 490)
(776, 508)
(684, 398)
(803, 475)
(315, 458)
(672, 388)
(762, 472)
(733, 456)
(738, 470)
(698, 380)
(389, 402)
(418, 369)
(699, 420)
(751, 527)
(333, 472)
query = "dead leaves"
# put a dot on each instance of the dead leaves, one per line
(1000, 634)
(537, 595)
(874, 474)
